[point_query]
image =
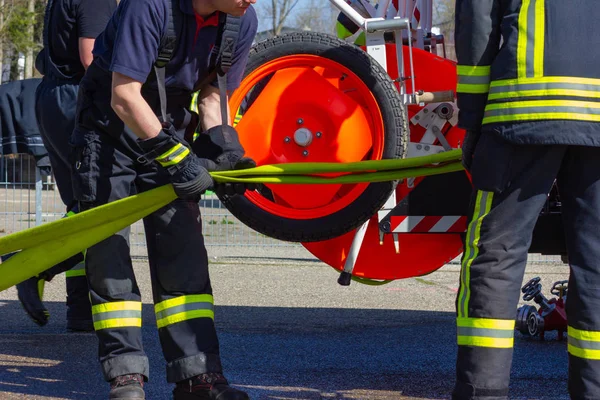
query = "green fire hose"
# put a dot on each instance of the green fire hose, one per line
(44, 246)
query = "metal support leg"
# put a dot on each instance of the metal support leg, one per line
(346, 275)
(38, 196)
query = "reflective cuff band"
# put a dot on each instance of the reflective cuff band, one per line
(77, 270)
(174, 155)
(184, 308)
(536, 110)
(485, 332)
(473, 79)
(121, 314)
(583, 344)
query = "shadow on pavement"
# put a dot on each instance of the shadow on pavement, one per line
(278, 353)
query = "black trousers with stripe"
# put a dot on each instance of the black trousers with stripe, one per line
(106, 169)
(511, 186)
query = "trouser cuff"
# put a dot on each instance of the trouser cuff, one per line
(188, 367)
(466, 391)
(125, 365)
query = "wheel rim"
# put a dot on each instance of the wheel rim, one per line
(322, 112)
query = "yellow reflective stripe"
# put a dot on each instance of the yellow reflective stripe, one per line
(473, 70)
(547, 79)
(478, 341)
(589, 354)
(592, 336)
(117, 306)
(483, 205)
(541, 117)
(194, 103)
(538, 49)
(543, 93)
(238, 118)
(174, 155)
(472, 88)
(118, 323)
(486, 323)
(584, 344)
(522, 40)
(542, 103)
(184, 308)
(184, 316)
(181, 300)
(541, 110)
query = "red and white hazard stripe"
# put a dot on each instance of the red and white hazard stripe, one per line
(428, 224)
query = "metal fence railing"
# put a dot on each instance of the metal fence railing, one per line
(27, 199)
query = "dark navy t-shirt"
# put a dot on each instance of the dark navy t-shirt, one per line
(130, 43)
(71, 20)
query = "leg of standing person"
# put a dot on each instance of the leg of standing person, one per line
(579, 190)
(511, 185)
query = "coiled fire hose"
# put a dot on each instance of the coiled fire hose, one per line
(44, 246)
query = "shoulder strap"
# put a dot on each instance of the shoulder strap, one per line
(227, 39)
(170, 39)
(166, 49)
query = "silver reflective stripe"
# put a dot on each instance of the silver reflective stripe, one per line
(473, 80)
(183, 308)
(523, 87)
(550, 109)
(529, 60)
(116, 315)
(584, 344)
(485, 332)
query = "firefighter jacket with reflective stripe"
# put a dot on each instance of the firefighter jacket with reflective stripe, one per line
(530, 69)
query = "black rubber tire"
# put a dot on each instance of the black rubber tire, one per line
(394, 118)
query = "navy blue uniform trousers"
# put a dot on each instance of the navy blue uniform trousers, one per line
(55, 107)
(511, 185)
(106, 169)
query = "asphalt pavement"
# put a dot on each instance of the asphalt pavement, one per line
(288, 331)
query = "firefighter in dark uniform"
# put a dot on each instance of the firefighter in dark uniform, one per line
(70, 28)
(127, 140)
(529, 98)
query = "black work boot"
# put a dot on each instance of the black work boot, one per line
(30, 294)
(210, 386)
(127, 387)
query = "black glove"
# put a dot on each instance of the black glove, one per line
(468, 148)
(221, 145)
(219, 149)
(189, 178)
(230, 188)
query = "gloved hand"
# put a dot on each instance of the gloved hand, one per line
(230, 188)
(468, 148)
(188, 177)
(221, 145)
(219, 149)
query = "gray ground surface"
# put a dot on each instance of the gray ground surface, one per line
(288, 331)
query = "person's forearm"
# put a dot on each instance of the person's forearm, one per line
(209, 108)
(86, 46)
(134, 111)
